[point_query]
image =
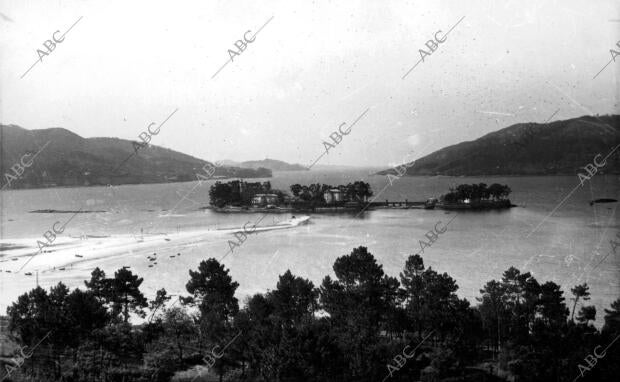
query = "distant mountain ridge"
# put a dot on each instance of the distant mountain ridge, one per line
(555, 148)
(274, 165)
(278, 165)
(71, 160)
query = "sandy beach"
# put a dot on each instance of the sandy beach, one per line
(75, 257)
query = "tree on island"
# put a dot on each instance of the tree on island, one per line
(237, 192)
(498, 192)
(296, 189)
(476, 192)
(220, 194)
(357, 191)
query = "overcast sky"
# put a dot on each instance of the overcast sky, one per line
(315, 65)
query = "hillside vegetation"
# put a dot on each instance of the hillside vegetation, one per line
(70, 160)
(556, 148)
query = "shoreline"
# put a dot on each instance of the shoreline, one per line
(63, 252)
(360, 168)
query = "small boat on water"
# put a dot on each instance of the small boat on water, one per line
(294, 221)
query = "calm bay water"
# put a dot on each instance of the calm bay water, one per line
(477, 247)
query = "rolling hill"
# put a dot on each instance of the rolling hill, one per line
(274, 165)
(278, 165)
(70, 160)
(555, 148)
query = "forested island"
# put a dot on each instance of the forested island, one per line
(239, 195)
(361, 325)
(476, 196)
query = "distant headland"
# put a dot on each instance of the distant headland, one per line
(554, 148)
(56, 157)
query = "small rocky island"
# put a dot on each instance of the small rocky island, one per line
(476, 197)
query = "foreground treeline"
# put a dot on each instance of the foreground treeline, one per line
(361, 325)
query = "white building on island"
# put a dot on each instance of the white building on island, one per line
(332, 196)
(264, 199)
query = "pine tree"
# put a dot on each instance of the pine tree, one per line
(612, 317)
(126, 295)
(580, 292)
